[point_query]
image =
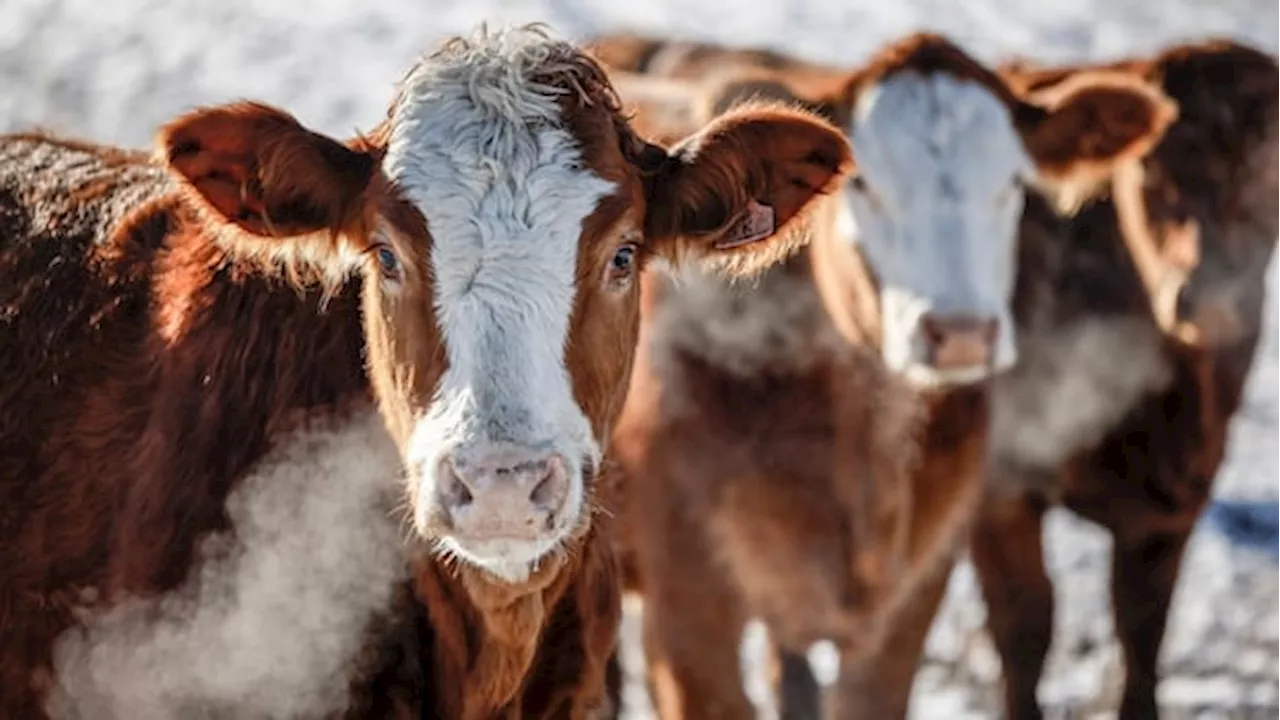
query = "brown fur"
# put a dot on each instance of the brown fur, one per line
(684, 59)
(1145, 472)
(164, 323)
(862, 554)
(104, 394)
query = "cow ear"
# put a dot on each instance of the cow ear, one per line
(1080, 130)
(258, 168)
(734, 193)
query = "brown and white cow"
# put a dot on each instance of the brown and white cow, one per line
(1138, 321)
(172, 329)
(811, 450)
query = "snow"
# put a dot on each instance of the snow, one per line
(112, 70)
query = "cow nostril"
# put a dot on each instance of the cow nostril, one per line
(541, 495)
(453, 488)
(549, 491)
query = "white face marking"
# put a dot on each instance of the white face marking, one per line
(482, 150)
(937, 217)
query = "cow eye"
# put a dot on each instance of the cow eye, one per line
(388, 261)
(623, 263)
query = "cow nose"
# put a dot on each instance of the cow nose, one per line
(959, 341)
(502, 491)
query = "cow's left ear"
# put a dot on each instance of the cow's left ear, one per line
(1080, 130)
(733, 192)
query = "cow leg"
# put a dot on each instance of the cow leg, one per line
(877, 685)
(799, 695)
(1008, 555)
(1144, 571)
(692, 631)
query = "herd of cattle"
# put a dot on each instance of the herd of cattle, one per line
(749, 336)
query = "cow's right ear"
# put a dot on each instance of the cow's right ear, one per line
(258, 168)
(733, 192)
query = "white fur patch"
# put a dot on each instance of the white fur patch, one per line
(754, 642)
(508, 560)
(266, 627)
(937, 219)
(483, 152)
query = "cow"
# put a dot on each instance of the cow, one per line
(453, 294)
(1138, 322)
(811, 449)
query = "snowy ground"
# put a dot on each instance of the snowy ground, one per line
(114, 69)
